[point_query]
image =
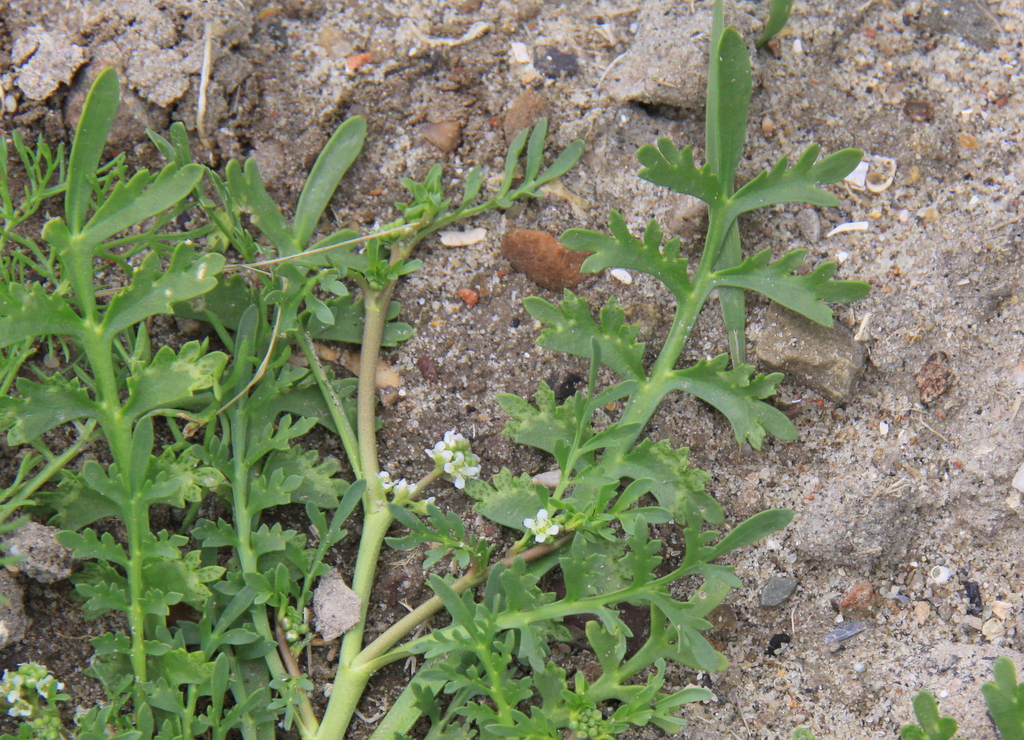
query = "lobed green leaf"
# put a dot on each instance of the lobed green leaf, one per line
(155, 290)
(622, 249)
(170, 378)
(738, 394)
(571, 328)
(805, 294)
(797, 184)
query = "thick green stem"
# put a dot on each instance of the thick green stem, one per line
(371, 658)
(643, 403)
(350, 681)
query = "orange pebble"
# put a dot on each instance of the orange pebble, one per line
(356, 61)
(468, 296)
(858, 598)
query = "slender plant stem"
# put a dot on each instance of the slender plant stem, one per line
(334, 406)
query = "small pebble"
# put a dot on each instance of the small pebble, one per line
(968, 141)
(921, 612)
(973, 594)
(443, 135)
(777, 642)
(524, 112)
(553, 62)
(974, 623)
(845, 631)
(934, 378)
(918, 110)
(1001, 609)
(428, 368)
(469, 296)
(858, 598)
(622, 276)
(778, 590)
(543, 259)
(993, 629)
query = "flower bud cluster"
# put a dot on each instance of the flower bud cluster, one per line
(21, 694)
(400, 488)
(454, 457)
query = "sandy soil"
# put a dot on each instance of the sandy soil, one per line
(885, 487)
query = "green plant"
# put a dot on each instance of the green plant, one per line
(22, 261)
(236, 663)
(31, 693)
(1003, 696)
(182, 423)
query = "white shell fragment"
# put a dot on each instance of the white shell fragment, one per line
(463, 238)
(520, 53)
(849, 226)
(622, 276)
(578, 204)
(1018, 479)
(475, 31)
(881, 174)
(859, 176)
(874, 174)
(940, 574)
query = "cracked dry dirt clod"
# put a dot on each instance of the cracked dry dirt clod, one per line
(14, 623)
(335, 606)
(45, 559)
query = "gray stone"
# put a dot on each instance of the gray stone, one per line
(45, 559)
(971, 20)
(13, 622)
(851, 527)
(778, 590)
(824, 359)
(667, 61)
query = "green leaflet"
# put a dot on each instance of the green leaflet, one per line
(42, 407)
(738, 394)
(1005, 699)
(570, 328)
(622, 249)
(169, 378)
(507, 500)
(672, 480)
(543, 426)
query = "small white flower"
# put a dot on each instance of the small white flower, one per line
(542, 527)
(400, 488)
(455, 458)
